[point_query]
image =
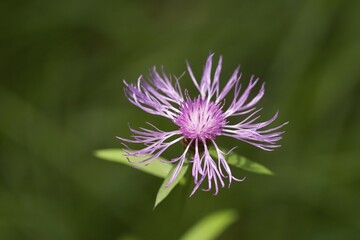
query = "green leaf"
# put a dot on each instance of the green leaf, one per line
(212, 226)
(239, 161)
(248, 165)
(128, 237)
(156, 168)
(164, 190)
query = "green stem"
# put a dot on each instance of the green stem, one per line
(185, 195)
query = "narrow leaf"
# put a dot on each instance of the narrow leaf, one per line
(248, 165)
(164, 190)
(239, 161)
(128, 237)
(211, 226)
(156, 168)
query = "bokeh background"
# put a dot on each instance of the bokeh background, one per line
(62, 64)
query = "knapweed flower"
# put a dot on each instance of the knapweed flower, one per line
(199, 121)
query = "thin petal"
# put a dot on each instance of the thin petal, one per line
(181, 161)
(234, 79)
(206, 77)
(254, 134)
(155, 141)
(157, 96)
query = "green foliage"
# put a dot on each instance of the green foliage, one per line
(242, 162)
(164, 190)
(61, 97)
(156, 168)
(128, 237)
(164, 170)
(248, 165)
(211, 226)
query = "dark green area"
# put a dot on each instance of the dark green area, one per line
(61, 69)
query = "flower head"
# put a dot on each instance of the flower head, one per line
(199, 121)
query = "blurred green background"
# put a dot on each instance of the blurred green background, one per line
(62, 64)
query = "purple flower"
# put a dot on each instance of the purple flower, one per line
(199, 120)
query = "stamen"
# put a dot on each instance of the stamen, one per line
(200, 119)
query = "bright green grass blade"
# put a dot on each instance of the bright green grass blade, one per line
(156, 168)
(239, 161)
(164, 191)
(248, 165)
(210, 227)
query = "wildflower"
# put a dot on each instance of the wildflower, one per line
(199, 121)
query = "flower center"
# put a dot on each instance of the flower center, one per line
(200, 119)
